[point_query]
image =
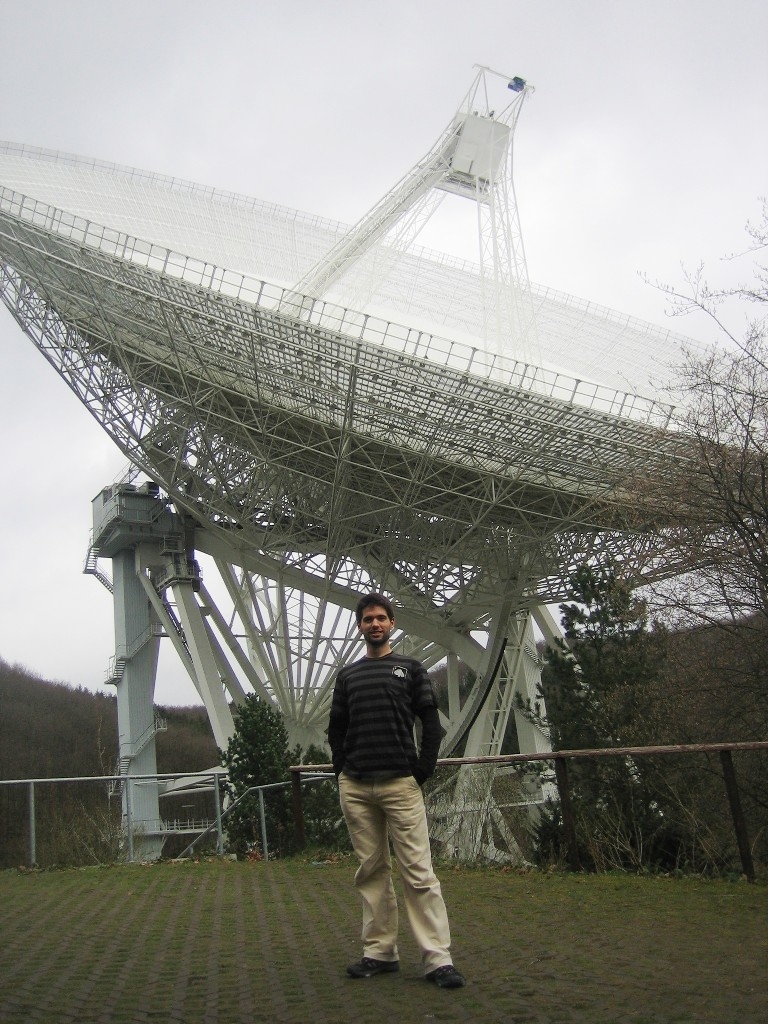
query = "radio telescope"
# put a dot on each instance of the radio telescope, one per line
(323, 410)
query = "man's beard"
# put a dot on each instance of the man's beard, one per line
(378, 641)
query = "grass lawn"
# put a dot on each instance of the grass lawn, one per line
(219, 942)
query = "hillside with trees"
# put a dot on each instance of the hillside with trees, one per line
(50, 730)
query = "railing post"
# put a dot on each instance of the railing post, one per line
(217, 804)
(740, 827)
(263, 820)
(298, 809)
(32, 827)
(569, 822)
(128, 816)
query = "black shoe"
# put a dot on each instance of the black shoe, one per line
(367, 967)
(446, 977)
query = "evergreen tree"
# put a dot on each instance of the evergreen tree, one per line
(594, 682)
(257, 755)
(324, 826)
(595, 685)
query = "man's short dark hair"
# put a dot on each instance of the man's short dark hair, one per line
(368, 601)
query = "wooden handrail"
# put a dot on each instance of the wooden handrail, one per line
(560, 759)
(553, 755)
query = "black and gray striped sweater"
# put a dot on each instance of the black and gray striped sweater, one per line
(371, 727)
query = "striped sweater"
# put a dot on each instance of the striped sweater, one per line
(371, 725)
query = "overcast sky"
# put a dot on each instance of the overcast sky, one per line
(642, 149)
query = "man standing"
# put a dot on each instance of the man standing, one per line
(380, 772)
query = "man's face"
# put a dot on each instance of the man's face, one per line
(376, 625)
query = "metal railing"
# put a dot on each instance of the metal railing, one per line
(561, 759)
(131, 827)
(133, 830)
(260, 790)
(320, 772)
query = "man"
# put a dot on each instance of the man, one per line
(380, 772)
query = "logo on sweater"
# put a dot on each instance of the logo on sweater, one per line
(399, 672)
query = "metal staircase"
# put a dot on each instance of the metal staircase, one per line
(91, 568)
(132, 750)
(117, 663)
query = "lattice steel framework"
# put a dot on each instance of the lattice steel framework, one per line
(320, 450)
(472, 159)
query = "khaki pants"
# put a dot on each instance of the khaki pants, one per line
(397, 805)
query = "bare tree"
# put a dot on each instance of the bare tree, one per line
(715, 501)
(712, 505)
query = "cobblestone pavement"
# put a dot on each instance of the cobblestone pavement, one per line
(231, 943)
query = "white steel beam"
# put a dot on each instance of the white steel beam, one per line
(206, 667)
